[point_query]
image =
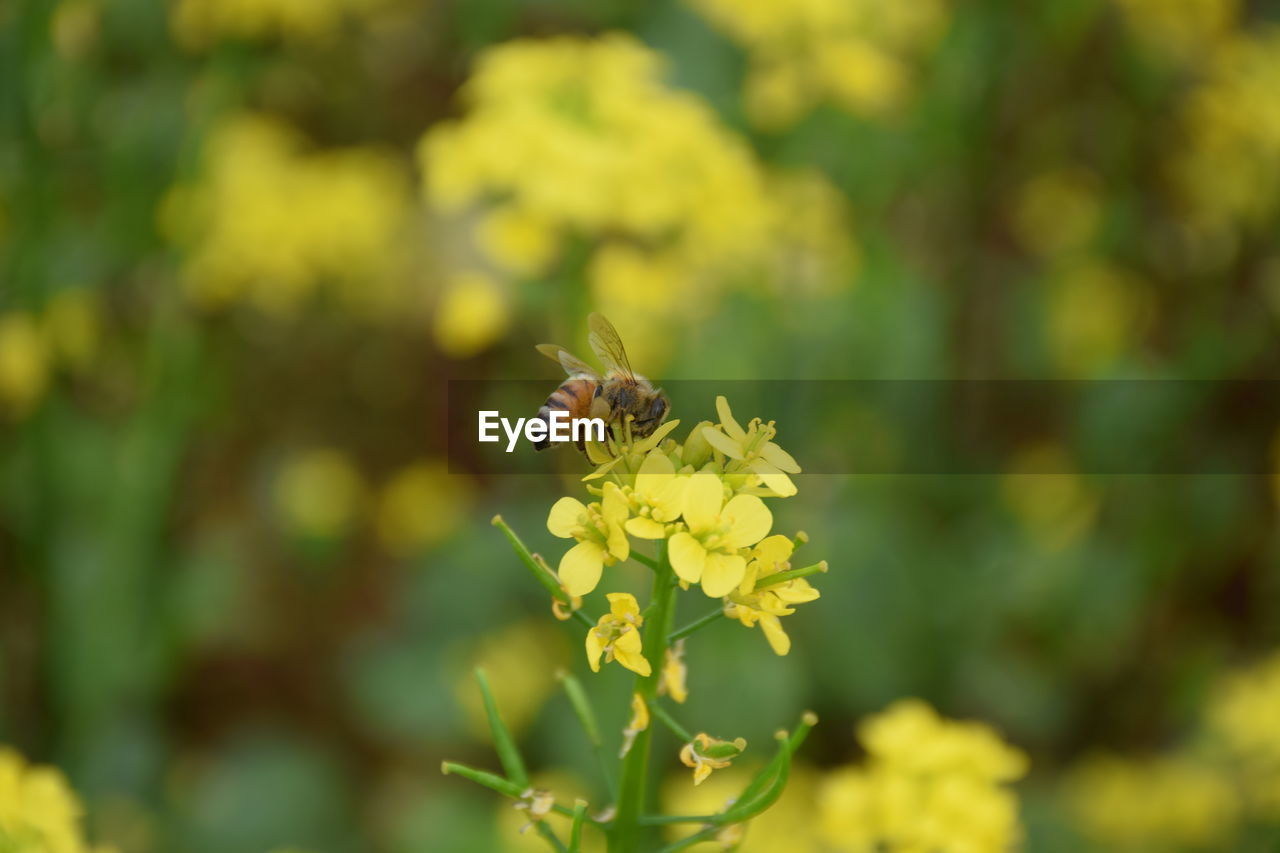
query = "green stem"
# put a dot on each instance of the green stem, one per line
(645, 561)
(791, 574)
(689, 841)
(626, 832)
(670, 722)
(667, 819)
(696, 625)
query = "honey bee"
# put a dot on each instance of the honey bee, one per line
(612, 397)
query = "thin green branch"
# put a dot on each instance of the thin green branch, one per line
(670, 722)
(644, 561)
(587, 717)
(575, 833)
(792, 574)
(696, 625)
(541, 573)
(503, 742)
(668, 820)
(506, 787)
(688, 841)
(552, 839)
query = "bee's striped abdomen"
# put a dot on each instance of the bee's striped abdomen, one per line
(573, 396)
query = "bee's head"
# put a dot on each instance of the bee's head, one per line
(651, 415)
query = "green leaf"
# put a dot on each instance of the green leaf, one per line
(503, 742)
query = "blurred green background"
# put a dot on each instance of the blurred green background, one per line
(243, 244)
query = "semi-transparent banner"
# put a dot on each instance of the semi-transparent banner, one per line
(933, 427)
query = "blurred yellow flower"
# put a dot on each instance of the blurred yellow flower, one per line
(1228, 165)
(755, 603)
(24, 364)
(602, 538)
(39, 813)
(617, 636)
(471, 315)
(675, 674)
(72, 327)
(1184, 31)
(787, 825)
(270, 222)
(520, 660)
(1243, 716)
(858, 54)
(927, 784)
(199, 23)
(1058, 211)
(1053, 502)
(420, 506)
(707, 552)
(1155, 804)
(319, 493)
(1096, 314)
(521, 241)
(74, 27)
(705, 754)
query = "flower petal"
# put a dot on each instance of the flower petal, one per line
(614, 505)
(749, 520)
(773, 550)
(595, 648)
(581, 567)
(779, 458)
(703, 498)
(646, 528)
(726, 420)
(722, 442)
(623, 604)
(565, 515)
(777, 482)
(778, 639)
(722, 573)
(687, 557)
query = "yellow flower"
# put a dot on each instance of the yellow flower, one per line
(471, 316)
(639, 722)
(24, 364)
(39, 813)
(656, 498)
(674, 674)
(1243, 718)
(764, 605)
(420, 506)
(707, 552)
(617, 636)
(705, 753)
(754, 449)
(602, 539)
(319, 493)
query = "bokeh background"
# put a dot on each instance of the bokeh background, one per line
(243, 243)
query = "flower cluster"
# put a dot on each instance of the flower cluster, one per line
(928, 784)
(703, 498)
(39, 813)
(1243, 718)
(859, 55)
(270, 222)
(577, 151)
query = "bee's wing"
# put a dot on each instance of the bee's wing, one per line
(572, 365)
(608, 346)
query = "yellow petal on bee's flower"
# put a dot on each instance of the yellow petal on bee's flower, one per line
(779, 458)
(623, 604)
(613, 505)
(778, 482)
(565, 516)
(731, 427)
(773, 550)
(721, 573)
(687, 557)
(722, 442)
(581, 567)
(595, 648)
(749, 520)
(703, 498)
(619, 544)
(646, 528)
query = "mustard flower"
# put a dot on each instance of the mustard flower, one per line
(705, 753)
(707, 552)
(754, 448)
(755, 604)
(538, 802)
(657, 497)
(602, 539)
(38, 809)
(617, 636)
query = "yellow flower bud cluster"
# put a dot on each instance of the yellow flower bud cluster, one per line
(576, 151)
(705, 499)
(39, 813)
(271, 223)
(857, 54)
(928, 784)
